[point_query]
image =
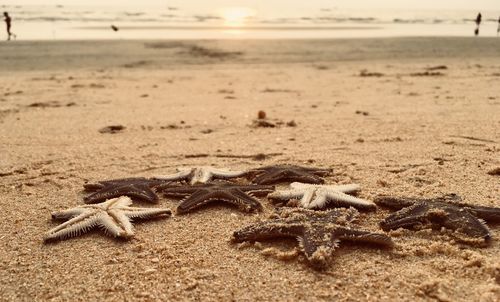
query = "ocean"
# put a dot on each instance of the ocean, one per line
(86, 22)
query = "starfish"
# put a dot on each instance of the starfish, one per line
(446, 211)
(275, 174)
(318, 196)
(198, 195)
(201, 174)
(113, 216)
(318, 233)
(139, 187)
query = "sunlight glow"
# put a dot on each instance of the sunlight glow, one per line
(237, 16)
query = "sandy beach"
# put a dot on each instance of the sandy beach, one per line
(402, 116)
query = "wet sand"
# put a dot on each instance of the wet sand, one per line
(376, 111)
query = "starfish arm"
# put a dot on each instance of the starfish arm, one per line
(307, 199)
(196, 199)
(314, 198)
(200, 175)
(406, 218)
(300, 185)
(396, 203)
(226, 174)
(489, 214)
(302, 177)
(244, 201)
(318, 171)
(350, 188)
(145, 213)
(74, 227)
(342, 199)
(286, 194)
(92, 187)
(141, 192)
(277, 176)
(69, 213)
(181, 175)
(278, 228)
(112, 226)
(265, 178)
(256, 190)
(202, 197)
(459, 220)
(120, 202)
(322, 172)
(123, 181)
(363, 236)
(118, 224)
(318, 246)
(178, 191)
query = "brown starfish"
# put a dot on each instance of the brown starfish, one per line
(445, 211)
(318, 233)
(198, 195)
(138, 187)
(279, 173)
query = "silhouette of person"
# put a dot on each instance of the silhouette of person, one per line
(498, 30)
(478, 23)
(8, 22)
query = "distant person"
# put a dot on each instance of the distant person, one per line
(498, 30)
(478, 23)
(8, 22)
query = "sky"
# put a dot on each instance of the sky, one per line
(204, 5)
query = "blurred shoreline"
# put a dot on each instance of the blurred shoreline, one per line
(91, 22)
(164, 53)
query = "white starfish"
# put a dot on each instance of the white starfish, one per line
(317, 196)
(201, 174)
(113, 216)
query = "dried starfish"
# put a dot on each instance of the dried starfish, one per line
(279, 173)
(200, 174)
(139, 187)
(318, 196)
(113, 216)
(318, 233)
(446, 211)
(198, 195)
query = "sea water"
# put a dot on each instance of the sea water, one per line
(59, 22)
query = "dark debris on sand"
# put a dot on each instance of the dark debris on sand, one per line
(495, 171)
(50, 104)
(439, 67)
(112, 129)
(263, 122)
(199, 51)
(366, 73)
(427, 74)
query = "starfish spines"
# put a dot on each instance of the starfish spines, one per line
(113, 216)
(202, 174)
(235, 197)
(318, 233)
(143, 213)
(444, 212)
(487, 213)
(364, 236)
(72, 227)
(275, 174)
(201, 194)
(136, 187)
(318, 196)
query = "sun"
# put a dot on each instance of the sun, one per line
(236, 16)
